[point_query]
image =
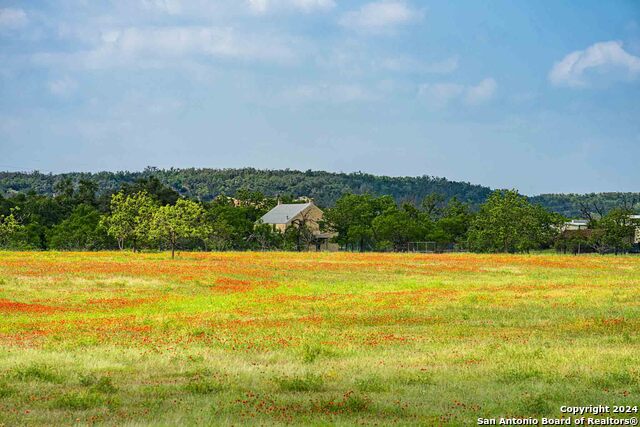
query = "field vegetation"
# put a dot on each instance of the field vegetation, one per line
(121, 338)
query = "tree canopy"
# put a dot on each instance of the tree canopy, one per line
(508, 222)
(147, 214)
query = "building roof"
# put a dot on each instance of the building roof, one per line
(284, 213)
(578, 221)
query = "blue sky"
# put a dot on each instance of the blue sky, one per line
(543, 96)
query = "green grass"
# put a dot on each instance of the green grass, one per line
(313, 339)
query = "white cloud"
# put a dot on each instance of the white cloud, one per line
(307, 6)
(481, 92)
(12, 19)
(63, 87)
(259, 6)
(171, 7)
(380, 16)
(310, 5)
(440, 95)
(600, 57)
(337, 93)
(407, 64)
(158, 47)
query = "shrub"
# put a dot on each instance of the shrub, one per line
(517, 375)
(372, 384)
(306, 383)
(78, 401)
(37, 373)
(350, 403)
(203, 386)
(535, 405)
(99, 384)
(5, 390)
(310, 352)
(416, 378)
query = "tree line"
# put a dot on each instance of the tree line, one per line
(323, 187)
(149, 215)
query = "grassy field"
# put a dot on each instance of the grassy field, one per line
(286, 338)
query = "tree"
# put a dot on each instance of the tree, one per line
(395, 228)
(616, 231)
(298, 234)
(507, 222)
(153, 187)
(81, 230)
(86, 193)
(10, 228)
(130, 218)
(577, 241)
(234, 220)
(453, 224)
(171, 223)
(63, 188)
(433, 205)
(265, 237)
(352, 218)
(218, 235)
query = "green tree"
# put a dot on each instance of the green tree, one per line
(507, 222)
(80, 231)
(10, 230)
(453, 224)
(433, 205)
(235, 219)
(153, 187)
(265, 237)
(86, 193)
(38, 214)
(130, 218)
(218, 235)
(298, 235)
(616, 231)
(352, 218)
(172, 223)
(395, 228)
(63, 188)
(576, 241)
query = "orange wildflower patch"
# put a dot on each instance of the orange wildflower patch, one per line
(228, 285)
(266, 323)
(140, 267)
(115, 303)
(24, 339)
(7, 306)
(382, 338)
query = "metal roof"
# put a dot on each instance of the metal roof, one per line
(284, 213)
(578, 221)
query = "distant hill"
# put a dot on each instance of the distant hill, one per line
(570, 205)
(324, 187)
(205, 184)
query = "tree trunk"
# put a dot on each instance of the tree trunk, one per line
(173, 250)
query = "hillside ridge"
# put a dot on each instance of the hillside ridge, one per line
(324, 187)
